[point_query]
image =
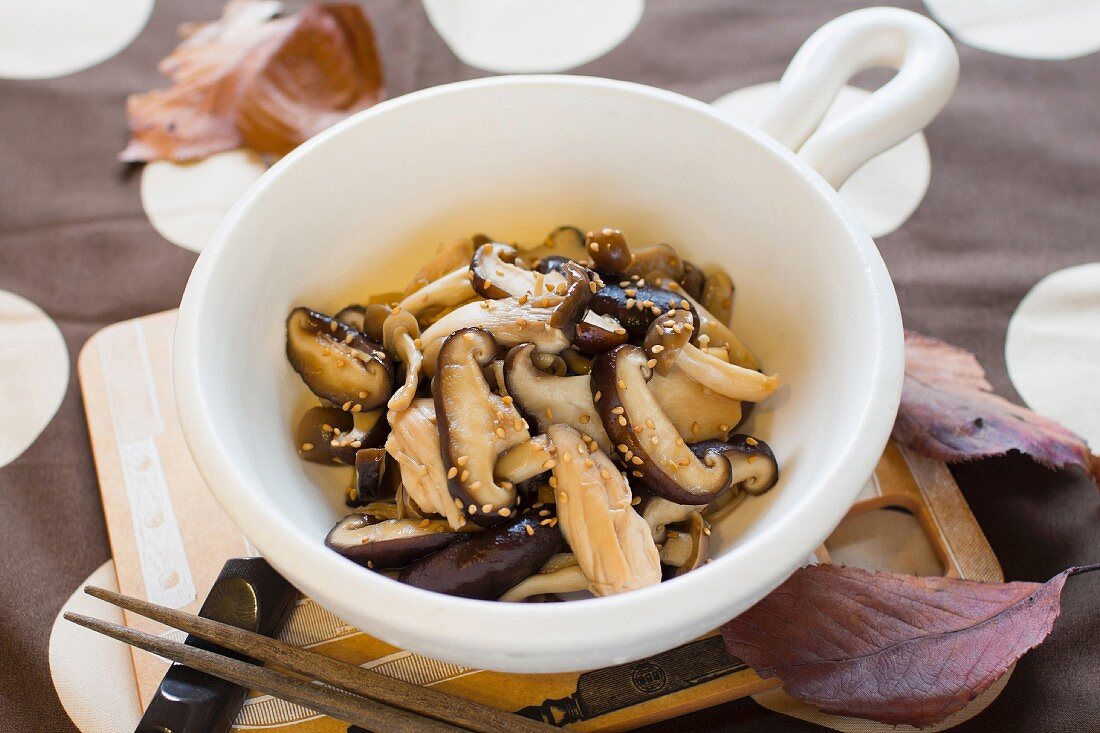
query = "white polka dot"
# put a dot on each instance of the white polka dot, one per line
(532, 36)
(40, 39)
(34, 373)
(186, 201)
(1052, 349)
(93, 675)
(1032, 29)
(886, 191)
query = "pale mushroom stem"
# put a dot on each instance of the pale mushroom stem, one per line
(451, 289)
(731, 380)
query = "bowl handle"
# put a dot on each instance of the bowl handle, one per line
(927, 66)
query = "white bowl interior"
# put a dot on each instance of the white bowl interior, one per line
(358, 209)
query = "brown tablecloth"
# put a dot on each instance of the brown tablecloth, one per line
(1014, 196)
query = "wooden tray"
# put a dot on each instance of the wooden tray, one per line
(169, 539)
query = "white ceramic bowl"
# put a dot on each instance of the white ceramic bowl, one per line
(354, 211)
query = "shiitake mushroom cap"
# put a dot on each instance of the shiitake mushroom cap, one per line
(390, 543)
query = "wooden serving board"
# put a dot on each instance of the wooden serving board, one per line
(170, 538)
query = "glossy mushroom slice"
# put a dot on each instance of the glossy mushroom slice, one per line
(496, 275)
(316, 429)
(596, 334)
(546, 399)
(693, 280)
(414, 444)
(524, 461)
(714, 332)
(368, 430)
(609, 251)
(659, 513)
(697, 412)
(355, 316)
(400, 332)
(488, 563)
(561, 574)
(612, 542)
(390, 543)
(370, 469)
(656, 258)
(576, 291)
(337, 362)
(687, 547)
(564, 243)
(636, 304)
(475, 426)
(730, 380)
(647, 442)
(718, 296)
(449, 290)
(449, 256)
(511, 321)
(666, 338)
(754, 469)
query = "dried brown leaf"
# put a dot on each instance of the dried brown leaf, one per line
(948, 411)
(889, 647)
(252, 79)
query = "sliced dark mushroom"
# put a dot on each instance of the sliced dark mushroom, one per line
(697, 412)
(370, 467)
(666, 337)
(447, 291)
(566, 243)
(391, 543)
(718, 296)
(496, 274)
(524, 461)
(551, 263)
(374, 317)
(561, 574)
(511, 321)
(337, 362)
(656, 258)
(549, 363)
(466, 411)
(647, 442)
(608, 249)
(488, 563)
(449, 256)
(612, 542)
(637, 304)
(687, 548)
(316, 428)
(578, 291)
(546, 399)
(399, 335)
(659, 513)
(354, 316)
(414, 444)
(368, 430)
(753, 467)
(693, 280)
(576, 362)
(596, 333)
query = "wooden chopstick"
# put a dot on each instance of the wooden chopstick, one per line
(349, 677)
(335, 703)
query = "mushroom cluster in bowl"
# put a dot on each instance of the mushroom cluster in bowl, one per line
(535, 424)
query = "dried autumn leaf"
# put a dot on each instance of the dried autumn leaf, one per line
(252, 79)
(948, 411)
(889, 647)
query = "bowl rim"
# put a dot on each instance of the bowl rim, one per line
(596, 633)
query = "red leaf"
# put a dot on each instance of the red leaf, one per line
(889, 647)
(948, 411)
(255, 80)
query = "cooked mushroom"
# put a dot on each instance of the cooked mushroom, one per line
(656, 258)
(718, 296)
(608, 249)
(647, 442)
(697, 412)
(524, 461)
(488, 563)
(667, 336)
(564, 243)
(612, 542)
(368, 430)
(316, 428)
(450, 290)
(576, 362)
(551, 263)
(337, 362)
(475, 426)
(495, 275)
(354, 316)
(637, 304)
(578, 291)
(546, 399)
(370, 467)
(561, 574)
(399, 334)
(549, 363)
(687, 548)
(754, 469)
(414, 444)
(659, 513)
(596, 334)
(731, 380)
(692, 281)
(713, 332)
(511, 321)
(374, 317)
(391, 543)
(449, 257)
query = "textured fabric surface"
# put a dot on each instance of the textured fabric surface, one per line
(1014, 196)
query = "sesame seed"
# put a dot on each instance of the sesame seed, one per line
(500, 433)
(363, 394)
(462, 460)
(508, 485)
(695, 427)
(685, 462)
(474, 485)
(356, 408)
(370, 564)
(566, 457)
(507, 400)
(637, 474)
(553, 521)
(605, 474)
(549, 414)
(418, 344)
(624, 283)
(308, 446)
(617, 410)
(706, 530)
(424, 523)
(545, 522)
(597, 396)
(723, 427)
(521, 322)
(752, 441)
(522, 300)
(592, 286)
(630, 302)
(622, 421)
(621, 384)
(584, 418)
(657, 349)
(458, 502)
(620, 331)
(641, 280)
(346, 406)
(332, 325)
(588, 463)
(654, 440)
(673, 534)
(655, 310)
(464, 476)
(544, 512)
(545, 302)
(356, 444)
(563, 498)
(472, 509)
(518, 425)
(636, 501)
(638, 429)
(593, 446)
(651, 363)
(750, 459)
(553, 481)
(631, 292)
(594, 246)
(467, 336)
(326, 352)
(637, 461)
(529, 530)
(486, 508)
(549, 464)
